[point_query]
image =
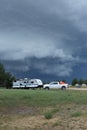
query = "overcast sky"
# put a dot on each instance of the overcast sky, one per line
(44, 38)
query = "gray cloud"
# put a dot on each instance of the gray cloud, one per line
(44, 30)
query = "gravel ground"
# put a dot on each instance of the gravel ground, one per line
(77, 88)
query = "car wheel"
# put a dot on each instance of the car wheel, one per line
(63, 88)
(47, 88)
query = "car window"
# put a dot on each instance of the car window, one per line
(54, 83)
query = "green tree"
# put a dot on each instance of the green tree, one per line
(9, 80)
(6, 78)
(74, 81)
(86, 81)
(81, 81)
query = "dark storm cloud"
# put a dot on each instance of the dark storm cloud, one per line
(47, 31)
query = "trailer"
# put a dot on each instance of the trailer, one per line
(28, 83)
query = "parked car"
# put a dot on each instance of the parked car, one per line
(56, 85)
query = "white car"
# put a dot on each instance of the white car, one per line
(55, 85)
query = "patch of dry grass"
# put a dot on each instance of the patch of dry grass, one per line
(62, 119)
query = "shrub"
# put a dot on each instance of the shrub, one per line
(48, 115)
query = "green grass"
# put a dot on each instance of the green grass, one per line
(64, 104)
(42, 98)
(76, 114)
(49, 114)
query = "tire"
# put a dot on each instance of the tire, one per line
(63, 88)
(47, 88)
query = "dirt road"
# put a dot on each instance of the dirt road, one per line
(77, 88)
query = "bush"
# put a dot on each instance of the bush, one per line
(48, 115)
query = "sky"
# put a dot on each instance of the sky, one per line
(44, 39)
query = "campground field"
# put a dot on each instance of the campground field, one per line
(43, 110)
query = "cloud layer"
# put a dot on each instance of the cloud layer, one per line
(50, 32)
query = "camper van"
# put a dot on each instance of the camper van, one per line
(28, 83)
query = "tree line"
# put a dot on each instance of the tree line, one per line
(79, 81)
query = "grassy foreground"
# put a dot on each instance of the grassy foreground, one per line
(41, 109)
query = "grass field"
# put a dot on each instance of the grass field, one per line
(43, 110)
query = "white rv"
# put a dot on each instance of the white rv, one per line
(27, 83)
